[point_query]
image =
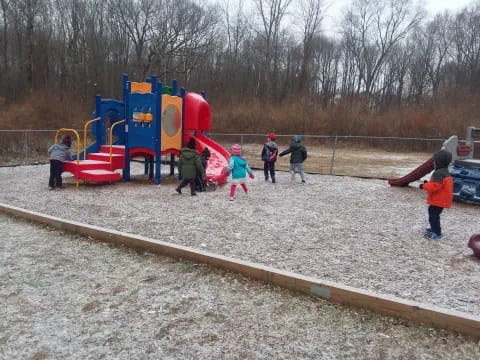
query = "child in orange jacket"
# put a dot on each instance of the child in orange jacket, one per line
(440, 192)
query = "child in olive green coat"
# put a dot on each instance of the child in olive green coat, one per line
(189, 166)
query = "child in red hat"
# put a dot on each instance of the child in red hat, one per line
(269, 156)
(239, 168)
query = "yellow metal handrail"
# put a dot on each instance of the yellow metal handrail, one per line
(111, 137)
(78, 145)
(85, 135)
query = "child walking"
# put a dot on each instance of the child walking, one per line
(239, 168)
(298, 155)
(190, 166)
(269, 156)
(440, 192)
(58, 153)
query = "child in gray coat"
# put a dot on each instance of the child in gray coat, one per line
(58, 153)
(298, 155)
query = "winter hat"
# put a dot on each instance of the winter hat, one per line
(67, 140)
(442, 158)
(297, 138)
(237, 149)
(474, 244)
(206, 153)
(192, 144)
(272, 136)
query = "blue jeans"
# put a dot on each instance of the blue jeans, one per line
(434, 218)
(56, 168)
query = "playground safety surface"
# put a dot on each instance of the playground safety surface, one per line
(355, 231)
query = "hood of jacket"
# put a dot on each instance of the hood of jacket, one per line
(272, 145)
(296, 146)
(189, 154)
(442, 160)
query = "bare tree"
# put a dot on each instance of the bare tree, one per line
(271, 12)
(371, 29)
(311, 16)
(5, 8)
(136, 18)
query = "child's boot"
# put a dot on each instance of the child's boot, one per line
(432, 235)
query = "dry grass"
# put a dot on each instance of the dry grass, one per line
(303, 115)
(438, 119)
(44, 111)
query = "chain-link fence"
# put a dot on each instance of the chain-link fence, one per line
(377, 157)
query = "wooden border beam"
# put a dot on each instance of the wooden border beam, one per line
(463, 323)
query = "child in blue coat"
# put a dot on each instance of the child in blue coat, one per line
(239, 168)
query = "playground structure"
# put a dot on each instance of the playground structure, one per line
(464, 168)
(151, 121)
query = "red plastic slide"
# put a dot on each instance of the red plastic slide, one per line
(413, 175)
(218, 162)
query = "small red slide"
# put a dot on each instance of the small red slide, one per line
(218, 162)
(413, 175)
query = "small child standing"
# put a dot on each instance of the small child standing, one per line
(239, 168)
(58, 153)
(269, 156)
(440, 192)
(298, 155)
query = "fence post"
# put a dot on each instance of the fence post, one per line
(241, 140)
(333, 154)
(25, 147)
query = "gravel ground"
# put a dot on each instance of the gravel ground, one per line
(68, 297)
(360, 232)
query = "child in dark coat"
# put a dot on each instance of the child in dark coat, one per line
(298, 155)
(189, 165)
(58, 153)
(440, 192)
(269, 156)
(201, 177)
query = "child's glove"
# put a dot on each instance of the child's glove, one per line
(421, 185)
(251, 176)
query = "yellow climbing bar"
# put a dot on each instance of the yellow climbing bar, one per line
(111, 137)
(85, 136)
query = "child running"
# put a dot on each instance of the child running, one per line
(440, 192)
(239, 168)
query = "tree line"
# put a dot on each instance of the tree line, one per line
(387, 53)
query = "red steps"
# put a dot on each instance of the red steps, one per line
(118, 161)
(98, 167)
(100, 175)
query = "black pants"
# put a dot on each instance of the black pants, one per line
(188, 181)
(56, 168)
(434, 218)
(269, 167)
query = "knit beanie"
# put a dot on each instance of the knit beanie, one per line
(237, 149)
(297, 138)
(192, 144)
(272, 136)
(67, 140)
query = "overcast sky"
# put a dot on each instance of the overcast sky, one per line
(334, 13)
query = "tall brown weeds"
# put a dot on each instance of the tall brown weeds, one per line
(300, 115)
